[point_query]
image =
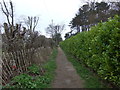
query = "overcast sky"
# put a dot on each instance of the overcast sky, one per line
(61, 11)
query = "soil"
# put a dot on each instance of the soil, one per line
(66, 75)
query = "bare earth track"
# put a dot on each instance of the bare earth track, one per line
(66, 75)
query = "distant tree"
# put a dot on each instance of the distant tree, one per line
(92, 13)
(31, 23)
(55, 32)
(67, 35)
(102, 10)
(57, 38)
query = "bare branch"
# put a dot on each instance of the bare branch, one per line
(6, 12)
(3, 9)
(35, 22)
(54, 29)
(6, 7)
(12, 16)
(31, 22)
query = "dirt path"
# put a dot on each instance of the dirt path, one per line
(66, 75)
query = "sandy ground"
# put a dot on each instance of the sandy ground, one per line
(66, 75)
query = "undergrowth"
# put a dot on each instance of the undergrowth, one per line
(36, 80)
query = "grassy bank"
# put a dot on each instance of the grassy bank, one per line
(36, 77)
(91, 81)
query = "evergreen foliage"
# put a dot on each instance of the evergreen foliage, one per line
(99, 49)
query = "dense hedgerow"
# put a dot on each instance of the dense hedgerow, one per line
(99, 49)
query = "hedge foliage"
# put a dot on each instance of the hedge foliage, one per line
(99, 49)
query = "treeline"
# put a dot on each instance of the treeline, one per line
(98, 49)
(91, 14)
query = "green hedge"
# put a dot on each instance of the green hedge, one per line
(99, 49)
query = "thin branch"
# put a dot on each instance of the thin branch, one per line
(3, 9)
(6, 13)
(6, 7)
(35, 23)
(12, 16)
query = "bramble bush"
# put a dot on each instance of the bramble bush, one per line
(99, 49)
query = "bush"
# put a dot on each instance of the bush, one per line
(99, 49)
(34, 69)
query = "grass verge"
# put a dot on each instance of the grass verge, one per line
(91, 81)
(34, 79)
(50, 68)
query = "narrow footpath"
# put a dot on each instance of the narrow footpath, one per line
(66, 75)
